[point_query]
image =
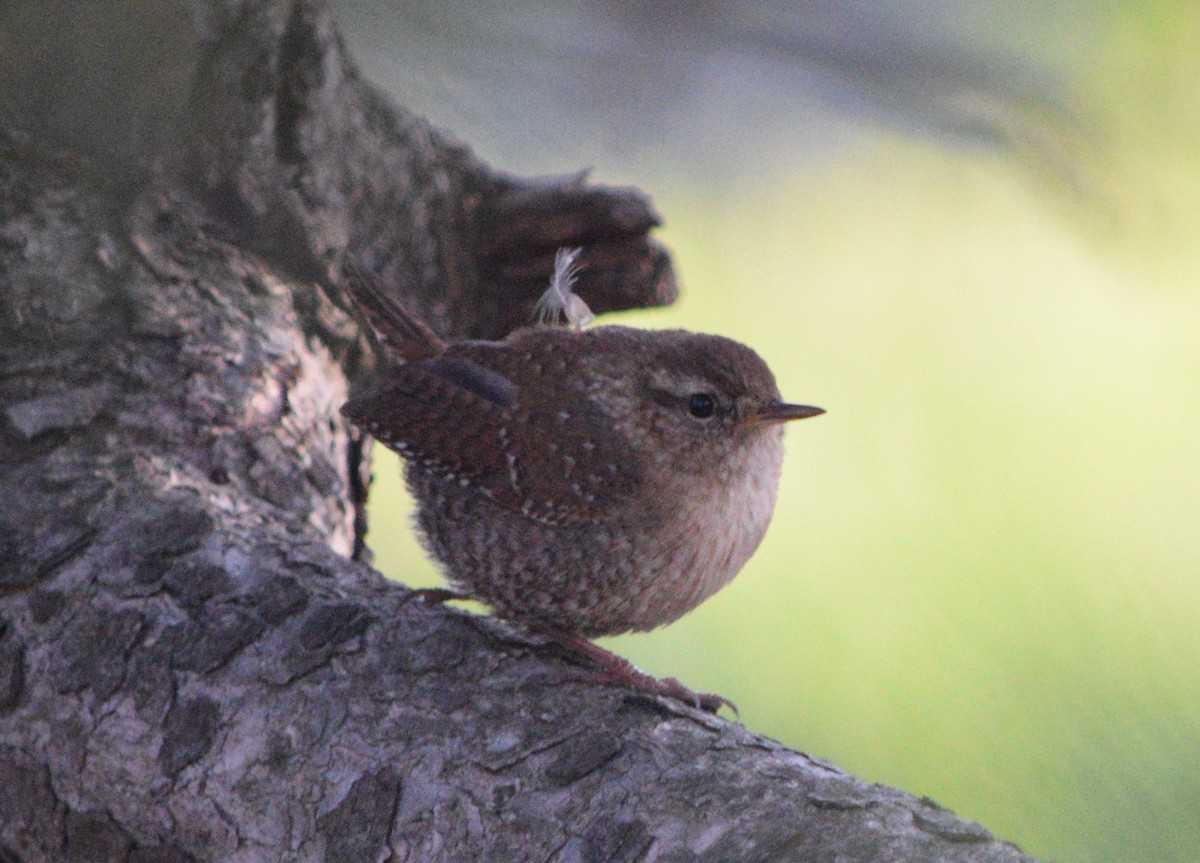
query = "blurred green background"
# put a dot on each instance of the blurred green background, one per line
(981, 583)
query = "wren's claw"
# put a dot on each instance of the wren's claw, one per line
(709, 702)
(613, 670)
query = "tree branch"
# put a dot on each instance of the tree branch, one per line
(192, 664)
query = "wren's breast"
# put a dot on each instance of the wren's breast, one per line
(710, 536)
(601, 577)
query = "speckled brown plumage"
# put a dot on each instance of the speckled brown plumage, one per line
(579, 481)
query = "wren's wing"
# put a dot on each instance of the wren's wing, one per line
(531, 451)
(448, 414)
(565, 462)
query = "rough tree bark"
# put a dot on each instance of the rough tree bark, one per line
(193, 663)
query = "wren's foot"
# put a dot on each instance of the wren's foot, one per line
(613, 670)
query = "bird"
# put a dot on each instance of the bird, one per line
(580, 482)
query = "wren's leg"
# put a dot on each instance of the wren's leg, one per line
(614, 670)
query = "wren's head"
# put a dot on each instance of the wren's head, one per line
(701, 404)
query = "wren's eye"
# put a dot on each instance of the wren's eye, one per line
(701, 405)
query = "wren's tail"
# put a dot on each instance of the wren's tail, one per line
(395, 327)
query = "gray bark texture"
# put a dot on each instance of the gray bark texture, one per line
(196, 663)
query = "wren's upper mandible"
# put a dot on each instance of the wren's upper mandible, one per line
(594, 482)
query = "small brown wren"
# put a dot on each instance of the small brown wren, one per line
(581, 483)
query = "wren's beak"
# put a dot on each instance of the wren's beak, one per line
(781, 412)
